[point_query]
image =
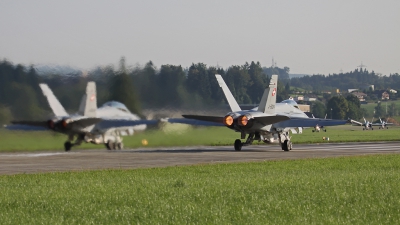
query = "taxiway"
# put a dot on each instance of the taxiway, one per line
(77, 160)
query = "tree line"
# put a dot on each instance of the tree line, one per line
(149, 87)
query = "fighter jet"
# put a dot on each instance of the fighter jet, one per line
(382, 124)
(317, 127)
(366, 125)
(268, 121)
(104, 125)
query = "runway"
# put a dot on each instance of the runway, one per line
(77, 160)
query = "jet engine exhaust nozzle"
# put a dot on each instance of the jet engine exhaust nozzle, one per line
(228, 120)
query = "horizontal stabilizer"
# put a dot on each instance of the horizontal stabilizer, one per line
(197, 122)
(267, 120)
(29, 126)
(309, 122)
(85, 122)
(216, 119)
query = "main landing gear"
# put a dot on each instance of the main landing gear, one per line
(110, 145)
(68, 144)
(284, 141)
(238, 143)
(286, 144)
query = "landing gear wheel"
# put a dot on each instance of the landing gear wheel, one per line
(286, 145)
(112, 145)
(238, 145)
(107, 146)
(67, 146)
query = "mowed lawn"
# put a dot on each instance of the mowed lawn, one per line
(344, 190)
(176, 135)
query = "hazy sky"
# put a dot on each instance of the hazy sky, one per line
(308, 36)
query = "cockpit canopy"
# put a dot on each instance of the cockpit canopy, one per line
(290, 102)
(115, 104)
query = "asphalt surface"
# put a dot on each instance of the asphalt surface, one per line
(78, 160)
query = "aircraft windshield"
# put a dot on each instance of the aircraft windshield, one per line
(117, 105)
(290, 102)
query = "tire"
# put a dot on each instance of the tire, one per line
(238, 145)
(120, 146)
(107, 146)
(286, 145)
(67, 146)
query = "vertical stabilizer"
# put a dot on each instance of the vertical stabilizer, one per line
(228, 95)
(268, 100)
(54, 104)
(88, 106)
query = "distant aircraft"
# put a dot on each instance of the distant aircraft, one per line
(382, 124)
(317, 127)
(104, 125)
(366, 125)
(266, 122)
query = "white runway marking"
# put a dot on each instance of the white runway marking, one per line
(36, 154)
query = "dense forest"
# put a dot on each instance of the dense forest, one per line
(149, 87)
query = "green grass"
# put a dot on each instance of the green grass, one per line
(187, 136)
(344, 190)
(370, 107)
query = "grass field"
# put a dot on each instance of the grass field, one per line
(344, 190)
(371, 107)
(187, 136)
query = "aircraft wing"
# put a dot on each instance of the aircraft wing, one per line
(108, 124)
(379, 124)
(353, 122)
(218, 120)
(28, 125)
(198, 120)
(267, 120)
(308, 122)
(44, 125)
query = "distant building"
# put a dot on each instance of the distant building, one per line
(393, 91)
(310, 98)
(359, 95)
(351, 90)
(385, 96)
(304, 108)
(298, 98)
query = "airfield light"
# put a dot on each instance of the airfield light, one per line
(243, 120)
(228, 120)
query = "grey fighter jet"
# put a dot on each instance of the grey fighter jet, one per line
(104, 125)
(366, 125)
(383, 124)
(267, 122)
